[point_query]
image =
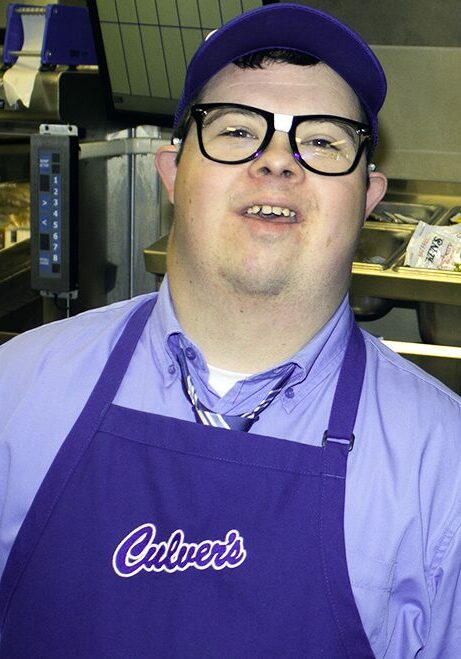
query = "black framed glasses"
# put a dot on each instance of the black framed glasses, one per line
(231, 133)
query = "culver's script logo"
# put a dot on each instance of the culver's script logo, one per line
(139, 551)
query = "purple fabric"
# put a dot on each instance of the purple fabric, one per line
(403, 487)
(152, 536)
(292, 27)
(347, 395)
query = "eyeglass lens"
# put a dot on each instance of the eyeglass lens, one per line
(231, 135)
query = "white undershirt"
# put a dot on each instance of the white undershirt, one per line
(222, 381)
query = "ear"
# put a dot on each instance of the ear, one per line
(165, 163)
(377, 187)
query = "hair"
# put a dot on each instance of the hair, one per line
(276, 55)
(258, 60)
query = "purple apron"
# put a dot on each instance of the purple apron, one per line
(156, 537)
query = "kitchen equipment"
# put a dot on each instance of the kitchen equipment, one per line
(67, 35)
(440, 323)
(54, 209)
(380, 246)
(405, 213)
(452, 216)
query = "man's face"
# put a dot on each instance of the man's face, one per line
(215, 242)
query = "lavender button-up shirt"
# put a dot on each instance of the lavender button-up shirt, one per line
(403, 491)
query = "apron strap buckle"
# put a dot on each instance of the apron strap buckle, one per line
(339, 440)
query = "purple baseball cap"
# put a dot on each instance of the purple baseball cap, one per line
(292, 27)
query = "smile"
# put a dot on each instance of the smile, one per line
(273, 213)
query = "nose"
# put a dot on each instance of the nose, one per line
(277, 159)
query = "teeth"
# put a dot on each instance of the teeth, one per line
(270, 210)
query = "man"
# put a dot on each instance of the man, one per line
(198, 506)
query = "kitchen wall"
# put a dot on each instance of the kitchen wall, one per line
(419, 45)
(399, 22)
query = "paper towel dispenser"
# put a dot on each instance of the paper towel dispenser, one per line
(49, 72)
(65, 35)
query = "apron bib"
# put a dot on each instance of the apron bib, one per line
(156, 537)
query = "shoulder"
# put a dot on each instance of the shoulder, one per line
(398, 378)
(102, 324)
(79, 346)
(416, 416)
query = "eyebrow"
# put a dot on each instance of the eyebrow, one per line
(219, 112)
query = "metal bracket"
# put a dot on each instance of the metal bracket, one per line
(71, 295)
(58, 129)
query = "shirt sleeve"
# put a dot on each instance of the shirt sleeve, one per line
(444, 639)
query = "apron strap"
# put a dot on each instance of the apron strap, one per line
(120, 357)
(348, 390)
(113, 372)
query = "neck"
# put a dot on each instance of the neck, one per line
(247, 333)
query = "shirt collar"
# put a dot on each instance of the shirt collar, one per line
(167, 335)
(312, 359)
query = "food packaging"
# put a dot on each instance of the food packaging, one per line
(435, 247)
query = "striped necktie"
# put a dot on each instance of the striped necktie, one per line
(206, 416)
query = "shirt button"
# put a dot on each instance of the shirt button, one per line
(171, 369)
(289, 393)
(190, 353)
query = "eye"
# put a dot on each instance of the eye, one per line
(324, 143)
(226, 123)
(238, 132)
